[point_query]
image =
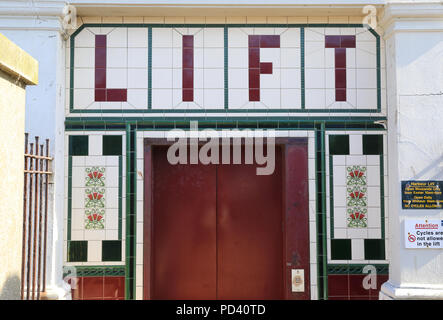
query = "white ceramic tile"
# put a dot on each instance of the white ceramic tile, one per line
(94, 251)
(139, 232)
(367, 98)
(340, 217)
(364, 58)
(314, 78)
(111, 218)
(161, 37)
(137, 57)
(315, 34)
(118, 37)
(339, 159)
(93, 161)
(290, 58)
(138, 98)
(270, 98)
(213, 98)
(139, 275)
(339, 196)
(271, 55)
(290, 98)
(98, 235)
(329, 58)
(355, 144)
(162, 99)
(351, 80)
(366, 78)
(354, 233)
(358, 249)
(111, 198)
(238, 98)
(351, 59)
(363, 34)
(270, 81)
(355, 160)
(213, 57)
(116, 58)
(78, 177)
(85, 39)
(161, 58)
(199, 78)
(112, 177)
(77, 217)
(111, 234)
(238, 78)
(290, 38)
(138, 37)
(137, 78)
(374, 233)
(373, 176)
(238, 58)
(161, 78)
(213, 37)
(116, 78)
(177, 54)
(340, 175)
(84, 78)
(315, 98)
(373, 196)
(95, 145)
(83, 58)
(332, 31)
(237, 38)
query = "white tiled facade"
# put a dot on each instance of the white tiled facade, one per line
(221, 69)
(145, 56)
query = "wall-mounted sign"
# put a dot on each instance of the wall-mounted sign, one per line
(422, 234)
(421, 194)
(298, 280)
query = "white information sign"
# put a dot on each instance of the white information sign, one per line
(422, 234)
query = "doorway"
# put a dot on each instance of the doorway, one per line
(220, 231)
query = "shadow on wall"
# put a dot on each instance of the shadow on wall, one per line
(11, 289)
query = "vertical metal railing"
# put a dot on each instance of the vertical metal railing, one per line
(37, 173)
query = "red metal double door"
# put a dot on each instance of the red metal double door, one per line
(218, 231)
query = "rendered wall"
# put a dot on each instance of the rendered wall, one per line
(12, 126)
(16, 70)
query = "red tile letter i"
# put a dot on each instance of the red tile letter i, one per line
(188, 68)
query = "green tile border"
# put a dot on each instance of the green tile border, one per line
(322, 284)
(149, 68)
(277, 123)
(382, 195)
(226, 69)
(131, 218)
(302, 68)
(120, 196)
(69, 200)
(331, 197)
(149, 108)
(382, 269)
(94, 271)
